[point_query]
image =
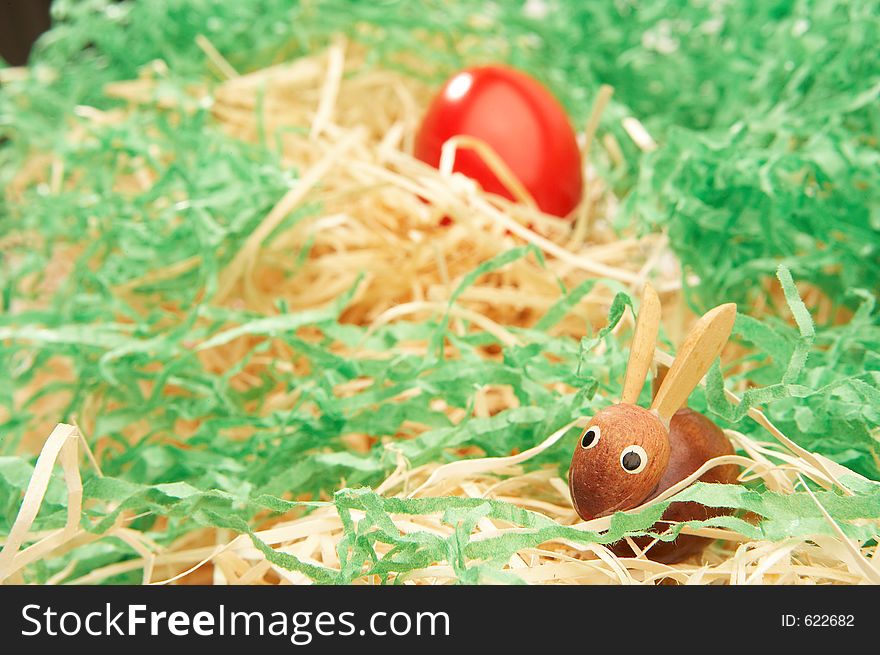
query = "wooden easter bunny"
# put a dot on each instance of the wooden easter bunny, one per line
(628, 455)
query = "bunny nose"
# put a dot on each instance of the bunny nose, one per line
(592, 505)
(594, 493)
(588, 504)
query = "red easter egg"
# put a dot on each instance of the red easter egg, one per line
(522, 122)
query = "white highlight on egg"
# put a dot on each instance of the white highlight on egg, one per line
(459, 86)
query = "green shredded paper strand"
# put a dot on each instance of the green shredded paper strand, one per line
(767, 116)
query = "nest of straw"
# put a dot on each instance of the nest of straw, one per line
(348, 128)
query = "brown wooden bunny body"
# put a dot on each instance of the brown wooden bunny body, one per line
(629, 455)
(693, 440)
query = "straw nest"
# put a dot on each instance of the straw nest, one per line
(347, 128)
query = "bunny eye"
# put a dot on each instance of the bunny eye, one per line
(634, 459)
(590, 438)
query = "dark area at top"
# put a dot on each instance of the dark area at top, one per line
(21, 22)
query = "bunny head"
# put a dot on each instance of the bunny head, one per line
(624, 450)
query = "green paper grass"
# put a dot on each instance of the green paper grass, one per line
(215, 420)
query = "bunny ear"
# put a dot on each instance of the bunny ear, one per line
(641, 353)
(700, 348)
